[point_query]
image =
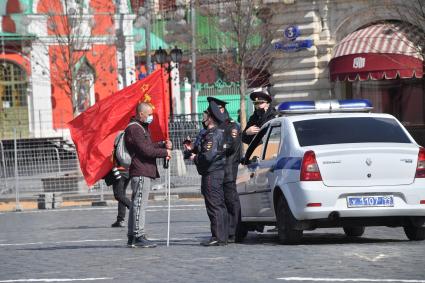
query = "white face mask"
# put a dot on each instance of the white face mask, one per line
(149, 119)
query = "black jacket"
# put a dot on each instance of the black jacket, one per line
(259, 121)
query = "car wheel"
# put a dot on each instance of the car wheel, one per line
(285, 224)
(354, 231)
(415, 233)
(241, 231)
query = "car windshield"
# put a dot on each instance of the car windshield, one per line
(349, 130)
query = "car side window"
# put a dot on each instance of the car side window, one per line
(255, 147)
(272, 143)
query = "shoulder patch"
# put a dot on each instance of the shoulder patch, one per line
(208, 145)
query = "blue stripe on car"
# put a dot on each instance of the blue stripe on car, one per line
(291, 163)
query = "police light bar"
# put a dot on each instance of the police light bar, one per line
(325, 106)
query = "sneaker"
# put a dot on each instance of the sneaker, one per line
(118, 224)
(212, 242)
(231, 239)
(130, 242)
(142, 242)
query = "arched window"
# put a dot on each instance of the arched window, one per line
(13, 85)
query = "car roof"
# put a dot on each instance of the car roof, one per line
(302, 117)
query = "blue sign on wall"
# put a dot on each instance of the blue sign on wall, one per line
(294, 45)
(292, 32)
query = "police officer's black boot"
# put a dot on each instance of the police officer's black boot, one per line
(118, 223)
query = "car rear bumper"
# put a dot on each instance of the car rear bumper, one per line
(407, 200)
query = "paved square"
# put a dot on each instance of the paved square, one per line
(79, 245)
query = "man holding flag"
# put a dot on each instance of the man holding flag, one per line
(94, 130)
(142, 169)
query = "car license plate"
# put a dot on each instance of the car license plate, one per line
(370, 201)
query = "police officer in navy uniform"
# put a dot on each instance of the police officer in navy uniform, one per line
(210, 161)
(233, 144)
(263, 113)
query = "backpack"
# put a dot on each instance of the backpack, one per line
(120, 152)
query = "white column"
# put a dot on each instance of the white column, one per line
(130, 65)
(40, 106)
(41, 112)
(187, 96)
(123, 7)
(175, 89)
(125, 54)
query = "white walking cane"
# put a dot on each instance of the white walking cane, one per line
(169, 203)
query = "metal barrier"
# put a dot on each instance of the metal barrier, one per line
(34, 169)
(32, 161)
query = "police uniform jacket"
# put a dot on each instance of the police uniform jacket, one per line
(233, 146)
(211, 154)
(259, 121)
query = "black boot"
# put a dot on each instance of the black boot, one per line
(118, 224)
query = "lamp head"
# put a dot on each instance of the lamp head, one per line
(176, 55)
(160, 56)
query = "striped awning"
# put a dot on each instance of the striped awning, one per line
(380, 51)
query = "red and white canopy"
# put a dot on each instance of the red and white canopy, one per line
(381, 51)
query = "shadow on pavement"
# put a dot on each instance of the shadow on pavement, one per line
(82, 227)
(317, 239)
(118, 245)
(58, 248)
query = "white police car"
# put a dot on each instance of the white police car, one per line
(332, 164)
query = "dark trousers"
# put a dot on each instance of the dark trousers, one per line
(233, 205)
(119, 187)
(231, 197)
(212, 190)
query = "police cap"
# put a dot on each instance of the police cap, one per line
(218, 101)
(215, 112)
(260, 96)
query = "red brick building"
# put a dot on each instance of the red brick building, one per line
(57, 58)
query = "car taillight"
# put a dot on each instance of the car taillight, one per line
(309, 168)
(420, 169)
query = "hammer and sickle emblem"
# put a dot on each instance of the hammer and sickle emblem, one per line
(147, 98)
(144, 87)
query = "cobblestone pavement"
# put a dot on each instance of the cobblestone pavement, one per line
(78, 244)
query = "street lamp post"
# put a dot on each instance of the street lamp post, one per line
(161, 57)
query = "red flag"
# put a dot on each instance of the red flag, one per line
(94, 130)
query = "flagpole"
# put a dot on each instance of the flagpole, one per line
(169, 203)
